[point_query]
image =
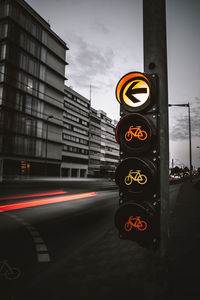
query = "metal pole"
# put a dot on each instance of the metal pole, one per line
(190, 142)
(155, 61)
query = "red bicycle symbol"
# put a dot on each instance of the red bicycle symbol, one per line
(140, 225)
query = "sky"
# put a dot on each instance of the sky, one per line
(105, 39)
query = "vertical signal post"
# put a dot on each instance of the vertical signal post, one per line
(137, 174)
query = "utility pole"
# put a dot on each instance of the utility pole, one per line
(155, 61)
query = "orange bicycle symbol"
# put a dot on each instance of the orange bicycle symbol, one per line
(140, 225)
(135, 132)
(140, 178)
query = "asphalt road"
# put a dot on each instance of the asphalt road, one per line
(66, 247)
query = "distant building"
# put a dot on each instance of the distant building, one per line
(76, 118)
(32, 68)
(109, 146)
(89, 145)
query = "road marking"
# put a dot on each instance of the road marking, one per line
(43, 257)
(38, 241)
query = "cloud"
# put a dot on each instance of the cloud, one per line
(180, 130)
(87, 62)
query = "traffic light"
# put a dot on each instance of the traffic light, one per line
(137, 175)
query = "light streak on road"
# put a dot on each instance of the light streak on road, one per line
(45, 201)
(59, 192)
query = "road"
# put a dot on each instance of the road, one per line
(62, 241)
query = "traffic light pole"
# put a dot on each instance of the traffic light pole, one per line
(155, 61)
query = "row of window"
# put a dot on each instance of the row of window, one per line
(75, 129)
(77, 120)
(75, 150)
(74, 139)
(31, 66)
(30, 45)
(75, 98)
(29, 105)
(24, 125)
(25, 21)
(76, 109)
(95, 137)
(22, 145)
(30, 85)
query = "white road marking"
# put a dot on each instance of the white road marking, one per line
(39, 243)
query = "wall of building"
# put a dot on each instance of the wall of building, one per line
(31, 91)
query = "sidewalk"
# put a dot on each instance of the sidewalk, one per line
(184, 245)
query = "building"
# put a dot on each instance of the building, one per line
(109, 146)
(89, 145)
(32, 68)
(76, 118)
(95, 144)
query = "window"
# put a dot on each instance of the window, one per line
(69, 95)
(28, 105)
(44, 37)
(33, 29)
(82, 102)
(41, 90)
(22, 62)
(68, 126)
(30, 85)
(19, 101)
(3, 30)
(2, 71)
(71, 117)
(38, 150)
(43, 54)
(80, 131)
(75, 150)
(7, 9)
(42, 72)
(32, 47)
(1, 95)
(3, 51)
(84, 123)
(39, 128)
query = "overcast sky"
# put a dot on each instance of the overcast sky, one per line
(106, 41)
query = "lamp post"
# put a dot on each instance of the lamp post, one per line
(49, 117)
(190, 140)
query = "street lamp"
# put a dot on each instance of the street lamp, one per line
(49, 117)
(190, 142)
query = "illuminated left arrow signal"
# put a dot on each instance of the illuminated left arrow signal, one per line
(133, 91)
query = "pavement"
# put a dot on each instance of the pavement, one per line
(184, 244)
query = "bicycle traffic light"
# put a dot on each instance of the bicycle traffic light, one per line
(137, 174)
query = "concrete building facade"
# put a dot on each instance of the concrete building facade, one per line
(32, 68)
(89, 145)
(76, 118)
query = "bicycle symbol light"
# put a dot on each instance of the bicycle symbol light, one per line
(139, 178)
(140, 225)
(135, 132)
(137, 174)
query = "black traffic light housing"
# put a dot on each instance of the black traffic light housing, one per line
(137, 174)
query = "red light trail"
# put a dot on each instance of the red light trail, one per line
(34, 195)
(45, 201)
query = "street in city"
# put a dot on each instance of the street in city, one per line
(69, 248)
